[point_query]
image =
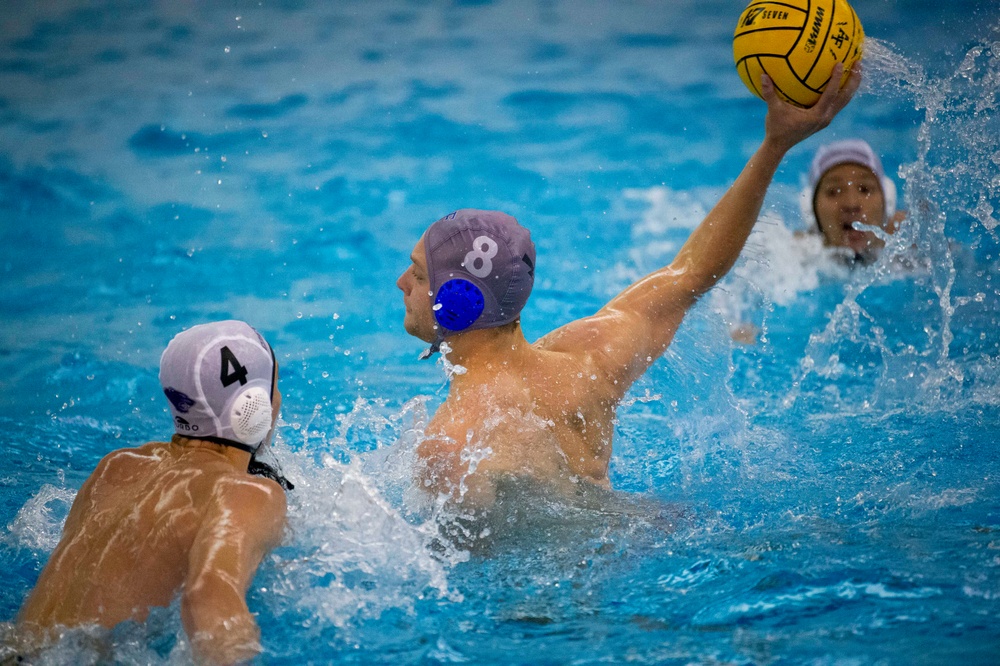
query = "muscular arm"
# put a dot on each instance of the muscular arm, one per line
(635, 327)
(245, 521)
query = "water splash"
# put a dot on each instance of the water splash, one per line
(38, 525)
(450, 369)
(354, 555)
(951, 193)
(353, 551)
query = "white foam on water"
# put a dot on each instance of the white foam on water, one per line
(352, 552)
(38, 524)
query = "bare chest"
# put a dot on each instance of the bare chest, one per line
(528, 429)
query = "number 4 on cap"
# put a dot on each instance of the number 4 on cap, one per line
(231, 371)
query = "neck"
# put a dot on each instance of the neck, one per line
(487, 351)
(238, 458)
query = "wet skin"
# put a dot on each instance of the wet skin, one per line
(152, 520)
(546, 409)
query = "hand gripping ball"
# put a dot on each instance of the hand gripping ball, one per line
(797, 43)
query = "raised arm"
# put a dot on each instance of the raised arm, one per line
(636, 326)
(244, 522)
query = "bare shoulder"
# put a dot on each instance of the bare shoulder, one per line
(619, 342)
(252, 491)
(251, 500)
(593, 344)
(576, 337)
(147, 450)
(123, 463)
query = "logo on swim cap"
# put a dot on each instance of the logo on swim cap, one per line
(181, 402)
(531, 265)
(184, 425)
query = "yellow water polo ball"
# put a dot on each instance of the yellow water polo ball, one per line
(797, 43)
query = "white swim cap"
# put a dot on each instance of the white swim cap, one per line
(219, 379)
(848, 151)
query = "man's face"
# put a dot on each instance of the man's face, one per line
(850, 193)
(416, 287)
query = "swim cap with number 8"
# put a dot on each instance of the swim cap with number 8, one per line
(796, 43)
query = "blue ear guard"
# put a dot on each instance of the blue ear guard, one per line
(458, 304)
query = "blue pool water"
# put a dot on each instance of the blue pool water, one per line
(829, 495)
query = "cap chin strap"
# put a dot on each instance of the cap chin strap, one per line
(430, 351)
(225, 442)
(807, 202)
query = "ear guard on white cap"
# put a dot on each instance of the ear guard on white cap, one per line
(250, 415)
(807, 198)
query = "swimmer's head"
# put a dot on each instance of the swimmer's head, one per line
(221, 382)
(847, 184)
(476, 271)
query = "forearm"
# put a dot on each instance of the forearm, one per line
(219, 626)
(714, 246)
(636, 326)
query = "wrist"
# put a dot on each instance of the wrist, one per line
(773, 149)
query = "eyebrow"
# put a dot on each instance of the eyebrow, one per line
(413, 258)
(864, 176)
(841, 182)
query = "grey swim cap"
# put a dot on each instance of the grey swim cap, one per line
(481, 265)
(218, 379)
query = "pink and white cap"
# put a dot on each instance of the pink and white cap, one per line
(219, 378)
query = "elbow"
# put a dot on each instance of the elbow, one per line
(698, 284)
(692, 281)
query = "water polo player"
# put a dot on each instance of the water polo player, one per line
(546, 409)
(184, 515)
(847, 185)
